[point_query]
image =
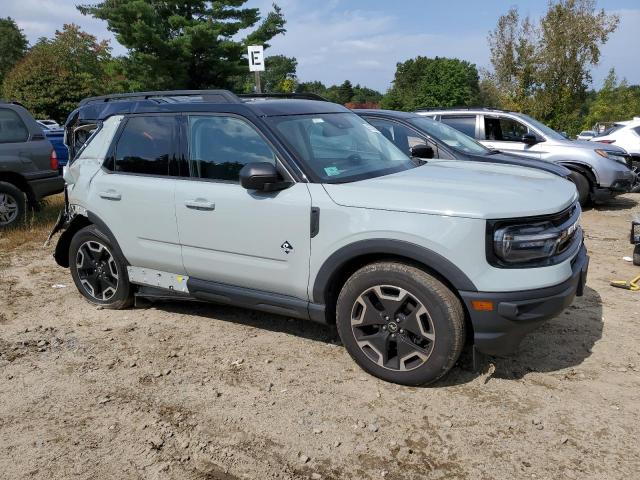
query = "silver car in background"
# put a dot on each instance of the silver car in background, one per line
(601, 171)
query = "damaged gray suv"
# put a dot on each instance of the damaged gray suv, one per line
(302, 208)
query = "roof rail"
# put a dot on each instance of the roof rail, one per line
(298, 96)
(446, 109)
(218, 96)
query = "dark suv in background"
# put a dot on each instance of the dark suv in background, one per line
(28, 164)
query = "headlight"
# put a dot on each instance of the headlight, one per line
(538, 243)
(617, 156)
(523, 243)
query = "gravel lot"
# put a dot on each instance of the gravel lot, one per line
(195, 391)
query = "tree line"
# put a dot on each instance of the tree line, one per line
(541, 68)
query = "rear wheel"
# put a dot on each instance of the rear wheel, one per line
(400, 323)
(582, 186)
(100, 274)
(12, 205)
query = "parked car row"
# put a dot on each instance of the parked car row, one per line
(303, 208)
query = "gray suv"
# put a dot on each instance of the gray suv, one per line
(600, 171)
(28, 164)
(304, 209)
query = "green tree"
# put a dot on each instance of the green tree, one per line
(544, 69)
(365, 95)
(187, 43)
(279, 76)
(316, 87)
(13, 45)
(56, 74)
(433, 82)
(614, 102)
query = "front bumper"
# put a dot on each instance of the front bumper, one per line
(515, 314)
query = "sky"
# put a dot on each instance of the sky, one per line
(362, 40)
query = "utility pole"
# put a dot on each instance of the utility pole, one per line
(258, 86)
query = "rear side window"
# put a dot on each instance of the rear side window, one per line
(12, 128)
(147, 145)
(464, 123)
(637, 130)
(219, 146)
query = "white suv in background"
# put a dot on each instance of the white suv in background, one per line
(624, 135)
(600, 171)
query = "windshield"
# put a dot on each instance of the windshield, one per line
(548, 132)
(449, 135)
(610, 130)
(340, 147)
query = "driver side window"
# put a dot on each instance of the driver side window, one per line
(402, 137)
(504, 129)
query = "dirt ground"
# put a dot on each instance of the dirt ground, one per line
(195, 391)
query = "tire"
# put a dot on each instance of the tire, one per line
(422, 345)
(636, 255)
(583, 187)
(99, 272)
(13, 205)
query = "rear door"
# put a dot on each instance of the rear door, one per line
(134, 192)
(465, 123)
(229, 235)
(505, 134)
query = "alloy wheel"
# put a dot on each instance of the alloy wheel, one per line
(393, 328)
(8, 209)
(97, 270)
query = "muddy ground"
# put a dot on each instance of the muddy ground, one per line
(195, 391)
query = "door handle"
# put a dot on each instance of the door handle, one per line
(110, 195)
(200, 204)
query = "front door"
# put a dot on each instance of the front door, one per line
(505, 134)
(230, 235)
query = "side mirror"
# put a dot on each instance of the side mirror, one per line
(529, 139)
(262, 176)
(422, 151)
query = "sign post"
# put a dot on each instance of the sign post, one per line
(256, 63)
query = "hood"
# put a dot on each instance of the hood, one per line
(505, 158)
(590, 145)
(460, 189)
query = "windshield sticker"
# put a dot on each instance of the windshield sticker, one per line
(317, 120)
(332, 171)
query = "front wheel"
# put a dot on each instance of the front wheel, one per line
(100, 274)
(583, 187)
(400, 323)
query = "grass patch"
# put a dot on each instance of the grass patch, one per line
(35, 227)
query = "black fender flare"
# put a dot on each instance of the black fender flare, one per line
(582, 168)
(396, 248)
(61, 253)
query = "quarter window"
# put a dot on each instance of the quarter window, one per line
(220, 146)
(147, 145)
(12, 128)
(463, 123)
